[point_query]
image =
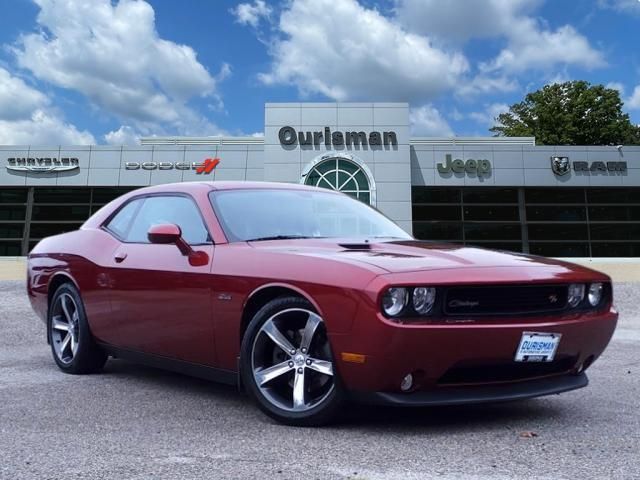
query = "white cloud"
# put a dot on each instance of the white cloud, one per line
(427, 121)
(624, 6)
(633, 102)
(251, 14)
(532, 48)
(26, 117)
(42, 128)
(125, 135)
(559, 77)
(616, 86)
(346, 51)
(489, 115)
(112, 54)
(530, 44)
(484, 84)
(17, 99)
(461, 20)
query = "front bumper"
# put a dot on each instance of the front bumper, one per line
(467, 361)
(476, 394)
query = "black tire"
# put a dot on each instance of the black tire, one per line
(87, 357)
(327, 408)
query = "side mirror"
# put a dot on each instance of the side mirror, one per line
(165, 234)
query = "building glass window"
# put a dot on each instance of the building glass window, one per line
(343, 175)
(558, 231)
(559, 249)
(60, 213)
(488, 217)
(560, 222)
(11, 230)
(11, 212)
(436, 212)
(13, 195)
(554, 195)
(62, 195)
(492, 231)
(447, 231)
(10, 249)
(103, 195)
(43, 230)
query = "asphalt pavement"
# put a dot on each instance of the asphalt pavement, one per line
(133, 422)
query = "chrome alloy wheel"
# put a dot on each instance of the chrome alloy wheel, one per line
(291, 360)
(65, 328)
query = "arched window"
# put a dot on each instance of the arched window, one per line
(343, 175)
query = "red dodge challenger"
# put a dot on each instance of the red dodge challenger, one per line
(307, 298)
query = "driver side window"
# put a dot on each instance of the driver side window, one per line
(177, 210)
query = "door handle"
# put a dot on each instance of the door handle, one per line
(119, 257)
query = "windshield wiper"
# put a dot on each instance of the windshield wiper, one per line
(279, 237)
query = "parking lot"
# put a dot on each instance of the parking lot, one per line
(135, 422)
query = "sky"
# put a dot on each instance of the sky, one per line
(110, 72)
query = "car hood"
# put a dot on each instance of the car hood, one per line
(410, 255)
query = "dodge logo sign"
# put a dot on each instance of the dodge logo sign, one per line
(560, 165)
(205, 167)
(42, 164)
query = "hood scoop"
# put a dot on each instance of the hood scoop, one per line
(356, 246)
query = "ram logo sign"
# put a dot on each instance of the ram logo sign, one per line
(562, 166)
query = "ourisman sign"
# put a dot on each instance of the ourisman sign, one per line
(288, 136)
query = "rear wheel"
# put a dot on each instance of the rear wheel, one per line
(287, 364)
(72, 345)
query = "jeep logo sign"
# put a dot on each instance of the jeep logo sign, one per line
(470, 166)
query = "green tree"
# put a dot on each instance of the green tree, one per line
(570, 113)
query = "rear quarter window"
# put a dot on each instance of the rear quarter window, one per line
(121, 222)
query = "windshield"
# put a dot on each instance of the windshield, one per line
(274, 214)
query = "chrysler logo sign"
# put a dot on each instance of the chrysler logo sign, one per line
(42, 164)
(562, 166)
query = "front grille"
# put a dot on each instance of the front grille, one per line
(496, 372)
(505, 300)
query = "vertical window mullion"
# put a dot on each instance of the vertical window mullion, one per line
(524, 228)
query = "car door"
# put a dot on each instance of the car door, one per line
(162, 304)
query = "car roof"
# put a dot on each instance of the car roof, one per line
(195, 189)
(192, 187)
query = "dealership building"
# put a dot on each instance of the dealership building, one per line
(507, 193)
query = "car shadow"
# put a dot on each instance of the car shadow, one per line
(171, 381)
(358, 417)
(452, 418)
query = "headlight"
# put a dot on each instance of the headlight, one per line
(394, 300)
(595, 293)
(423, 299)
(575, 294)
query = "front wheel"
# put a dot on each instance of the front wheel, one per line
(287, 365)
(72, 345)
